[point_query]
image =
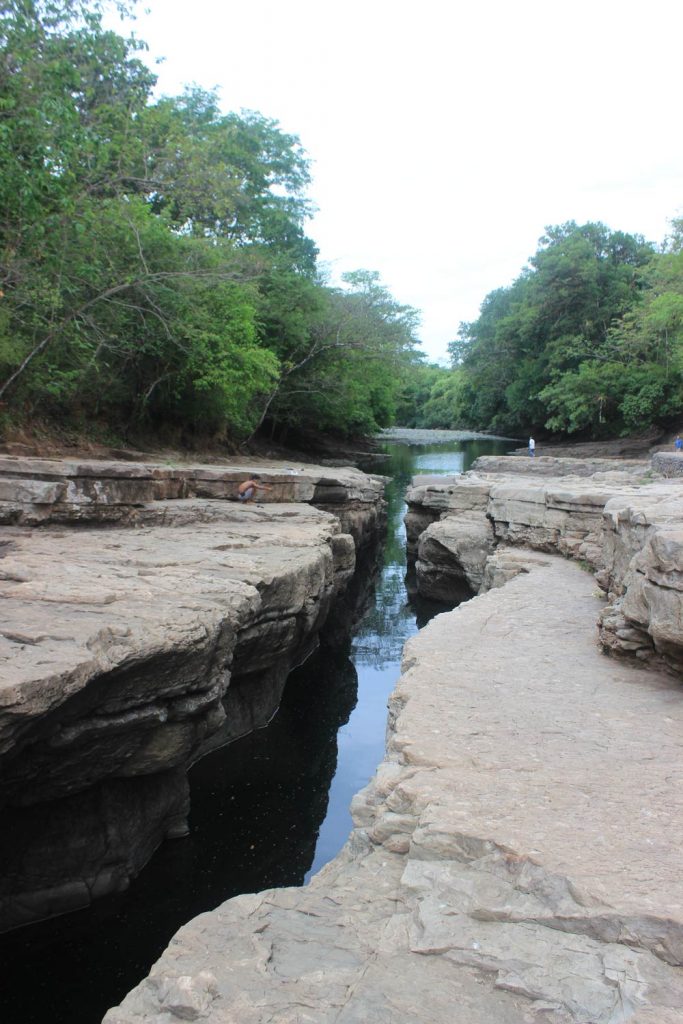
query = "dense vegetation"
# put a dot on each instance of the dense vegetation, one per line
(154, 269)
(155, 276)
(588, 340)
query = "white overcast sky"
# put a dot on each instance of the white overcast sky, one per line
(444, 137)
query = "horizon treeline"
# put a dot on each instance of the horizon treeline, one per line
(155, 274)
(156, 278)
(587, 341)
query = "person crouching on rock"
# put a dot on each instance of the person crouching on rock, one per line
(247, 490)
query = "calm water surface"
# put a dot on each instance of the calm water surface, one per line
(267, 811)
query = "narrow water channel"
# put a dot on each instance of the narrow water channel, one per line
(267, 811)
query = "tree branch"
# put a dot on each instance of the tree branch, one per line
(107, 294)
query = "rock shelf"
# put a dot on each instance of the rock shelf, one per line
(622, 520)
(515, 859)
(142, 625)
(517, 856)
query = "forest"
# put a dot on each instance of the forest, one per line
(155, 274)
(156, 279)
(587, 341)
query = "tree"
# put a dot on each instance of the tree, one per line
(127, 290)
(342, 357)
(418, 382)
(237, 177)
(555, 319)
(154, 266)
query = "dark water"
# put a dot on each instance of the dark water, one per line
(266, 811)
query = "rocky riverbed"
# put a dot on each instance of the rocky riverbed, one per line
(146, 620)
(517, 856)
(621, 519)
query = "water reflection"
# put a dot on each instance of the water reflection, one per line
(266, 811)
(397, 614)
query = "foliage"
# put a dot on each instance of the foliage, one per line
(585, 340)
(155, 270)
(344, 368)
(588, 339)
(418, 381)
(154, 267)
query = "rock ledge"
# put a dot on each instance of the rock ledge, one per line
(516, 857)
(145, 621)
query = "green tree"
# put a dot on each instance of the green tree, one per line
(419, 379)
(556, 318)
(447, 402)
(128, 289)
(342, 364)
(154, 267)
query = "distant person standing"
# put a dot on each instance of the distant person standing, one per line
(678, 443)
(532, 447)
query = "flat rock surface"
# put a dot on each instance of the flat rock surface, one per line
(551, 748)
(76, 603)
(516, 858)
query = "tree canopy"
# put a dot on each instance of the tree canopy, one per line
(154, 266)
(156, 274)
(588, 339)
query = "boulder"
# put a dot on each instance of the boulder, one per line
(452, 556)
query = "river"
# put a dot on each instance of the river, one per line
(267, 811)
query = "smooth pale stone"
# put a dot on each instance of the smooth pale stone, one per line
(516, 858)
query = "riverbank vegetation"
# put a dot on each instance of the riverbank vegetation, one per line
(156, 279)
(155, 272)
(587, 341)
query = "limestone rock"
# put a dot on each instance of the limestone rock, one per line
(668, 463)
(622, 524)
(619, 470)
(506, 563)
(452, 555)
(164, 625)
(34, 491)
(515, 859)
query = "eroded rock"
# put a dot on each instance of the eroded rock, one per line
(36, 491)
(621, 521)
(160, 627)
(515, 859)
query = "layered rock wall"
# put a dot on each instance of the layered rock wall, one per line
(515, 859)
(622, 522)
(139, 630)
(39, 491)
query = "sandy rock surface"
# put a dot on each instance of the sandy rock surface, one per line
(623, 520)
(146, 618)
(515, 859)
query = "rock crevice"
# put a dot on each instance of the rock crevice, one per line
(620, 519)
(515, 858)
(127, 653)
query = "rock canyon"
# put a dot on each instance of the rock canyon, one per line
(516, 857)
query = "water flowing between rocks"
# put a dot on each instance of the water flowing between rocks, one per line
(269, 810)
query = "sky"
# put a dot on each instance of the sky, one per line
(444, 137)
